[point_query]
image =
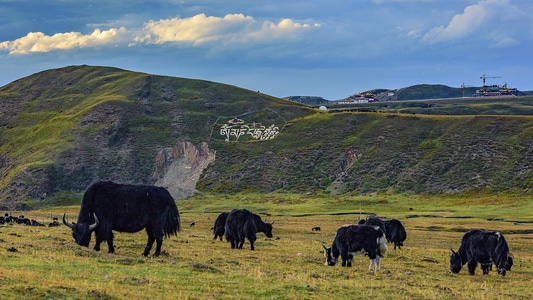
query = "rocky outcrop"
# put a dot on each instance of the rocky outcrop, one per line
(179, 168)
(348, 158)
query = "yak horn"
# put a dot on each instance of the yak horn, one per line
(453, 251)
(96, 222)
(70, 225)
(322, 243)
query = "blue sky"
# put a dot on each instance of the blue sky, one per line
(327, 48)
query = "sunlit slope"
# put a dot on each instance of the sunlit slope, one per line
(64, 128)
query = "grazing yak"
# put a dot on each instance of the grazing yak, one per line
(374, 221)
(395, 232)
(353, 240)
(218, 227)
(108, 206)
(485, 248)
(241, 224)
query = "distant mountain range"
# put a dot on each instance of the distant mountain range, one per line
(415, 92)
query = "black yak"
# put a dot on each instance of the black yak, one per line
(395, 232)
(374, 221)
(353, 240)
(108, 206)
(218, 227)
(485, 248)
(241, 224)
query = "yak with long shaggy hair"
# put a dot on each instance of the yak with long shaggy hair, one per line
(485, 248)
(242, 224)
(395, 232)
(353, 240)
(108, 206)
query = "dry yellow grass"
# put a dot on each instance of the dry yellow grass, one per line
(48, 264)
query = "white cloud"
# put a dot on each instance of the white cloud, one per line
(505, 42)
(414, 34)
(231, 28)
(460, 26)
(39, 42)
(196, 30)
(480, 19)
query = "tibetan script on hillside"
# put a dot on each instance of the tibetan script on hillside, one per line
(249, 127)
(255, 131)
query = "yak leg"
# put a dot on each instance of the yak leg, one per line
(252, 238)
(233, 241)
(110, 247)
(486, 268)
(345, 256)
(374, 259)
(472, 266)
(150, 242)
(241, 239)
(158, 244)
(375, 264)
(378, 262)
(350, 259)
(99, 239)
(97, 244)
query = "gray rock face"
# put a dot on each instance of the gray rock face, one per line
(179, 168)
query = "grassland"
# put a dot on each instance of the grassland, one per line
(45, 263)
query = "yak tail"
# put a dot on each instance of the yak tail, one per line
(402, 234)
(171, 220)
(382, 245)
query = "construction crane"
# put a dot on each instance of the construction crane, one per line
(463, 86)
(485, 77)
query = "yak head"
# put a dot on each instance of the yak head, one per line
(456, 262)
(502, 270)
(82, 231)
(268, 230)
(331, 260)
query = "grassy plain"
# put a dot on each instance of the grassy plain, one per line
(45, 263)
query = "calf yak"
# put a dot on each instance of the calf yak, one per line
(108, 206)
(241, 224)
(353, 240)
(485, 248)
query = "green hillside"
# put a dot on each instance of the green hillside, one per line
(62, 129)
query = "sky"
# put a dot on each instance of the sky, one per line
(326, 48)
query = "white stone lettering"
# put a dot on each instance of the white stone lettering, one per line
(255, 131)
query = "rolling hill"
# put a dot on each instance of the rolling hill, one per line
(61, 129)
(415, 92)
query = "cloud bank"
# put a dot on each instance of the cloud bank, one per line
(197, 30)
(39, 42)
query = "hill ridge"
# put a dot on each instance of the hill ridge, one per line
(61, 129)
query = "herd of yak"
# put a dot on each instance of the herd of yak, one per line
(108, 206)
